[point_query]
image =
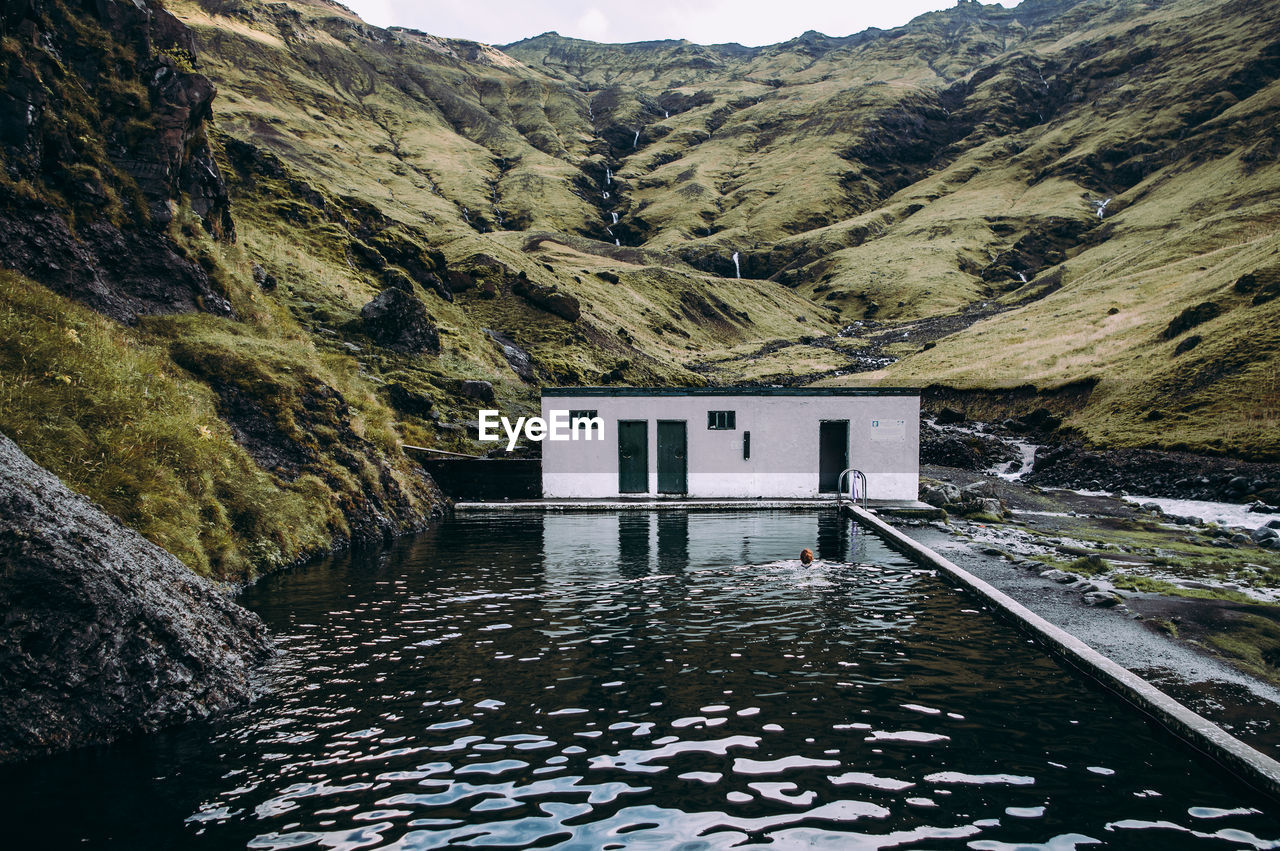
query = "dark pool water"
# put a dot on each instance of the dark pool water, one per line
(641, 680)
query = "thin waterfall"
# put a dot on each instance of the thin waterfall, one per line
(737, 270)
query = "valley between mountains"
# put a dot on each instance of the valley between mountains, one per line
(343, 238)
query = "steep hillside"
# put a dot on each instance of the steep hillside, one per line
(139, 359)
(1100, 167)
(940, 183)
(362, 157)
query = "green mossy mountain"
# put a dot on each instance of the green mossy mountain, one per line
(983, 199)
(1002, 197)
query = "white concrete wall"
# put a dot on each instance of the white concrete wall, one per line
(784, 444)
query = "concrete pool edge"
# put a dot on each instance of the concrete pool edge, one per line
(897, 507)
(1254, 767)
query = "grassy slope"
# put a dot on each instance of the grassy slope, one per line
(1206, 214)
(1169, 110)
(471, 153)
(134, 415)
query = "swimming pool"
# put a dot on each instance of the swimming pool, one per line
(644, 680)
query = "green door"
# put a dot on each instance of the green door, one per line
(633, 456)
(833, 453)
(673, 457)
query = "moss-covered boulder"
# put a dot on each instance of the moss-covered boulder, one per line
(398, 320)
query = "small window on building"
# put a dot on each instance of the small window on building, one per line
(722, 420)
(587, 424)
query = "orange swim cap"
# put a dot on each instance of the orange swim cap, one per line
(806, 556)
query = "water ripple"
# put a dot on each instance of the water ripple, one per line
(657, 680)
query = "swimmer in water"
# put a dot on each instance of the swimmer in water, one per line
(806, 557)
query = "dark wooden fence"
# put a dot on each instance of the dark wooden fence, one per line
(486, 478)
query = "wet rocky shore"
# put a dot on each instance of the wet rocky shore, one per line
(1033, 448)
(1190, 604)
(102, 633)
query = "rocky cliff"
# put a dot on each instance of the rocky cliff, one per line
(102, 123)
(183, 400)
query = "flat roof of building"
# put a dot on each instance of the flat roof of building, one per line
(730, 391)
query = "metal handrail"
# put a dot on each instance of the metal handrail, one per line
(853, 493)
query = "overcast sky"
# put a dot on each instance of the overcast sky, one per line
(750, 22)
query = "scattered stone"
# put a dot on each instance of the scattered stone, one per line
(518, 359)
(1153, 507)
(984, 488)
(1041, 419)
(1060, 576)
(949, 416)
(398, 320)
(939, 494)
(480, 391)
(548, 298)
(992, 507)
(264, 279)
(1101, 599)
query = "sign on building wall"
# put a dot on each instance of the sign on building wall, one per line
(889, 430)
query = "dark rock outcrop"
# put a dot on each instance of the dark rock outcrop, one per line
(967, 450)
(102, 633)
(398, 320)
(1191, 317)
(548, 298)
(520, 361)
(107, 135)
(1150, 472)
(122, 273)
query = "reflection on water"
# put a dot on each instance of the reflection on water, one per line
(642, 680)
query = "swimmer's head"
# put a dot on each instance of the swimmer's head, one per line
(806, 556)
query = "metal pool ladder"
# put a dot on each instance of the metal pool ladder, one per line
(853, 494)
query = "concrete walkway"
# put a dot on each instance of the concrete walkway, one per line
(1201, 733)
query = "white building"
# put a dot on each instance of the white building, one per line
(733, 442)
